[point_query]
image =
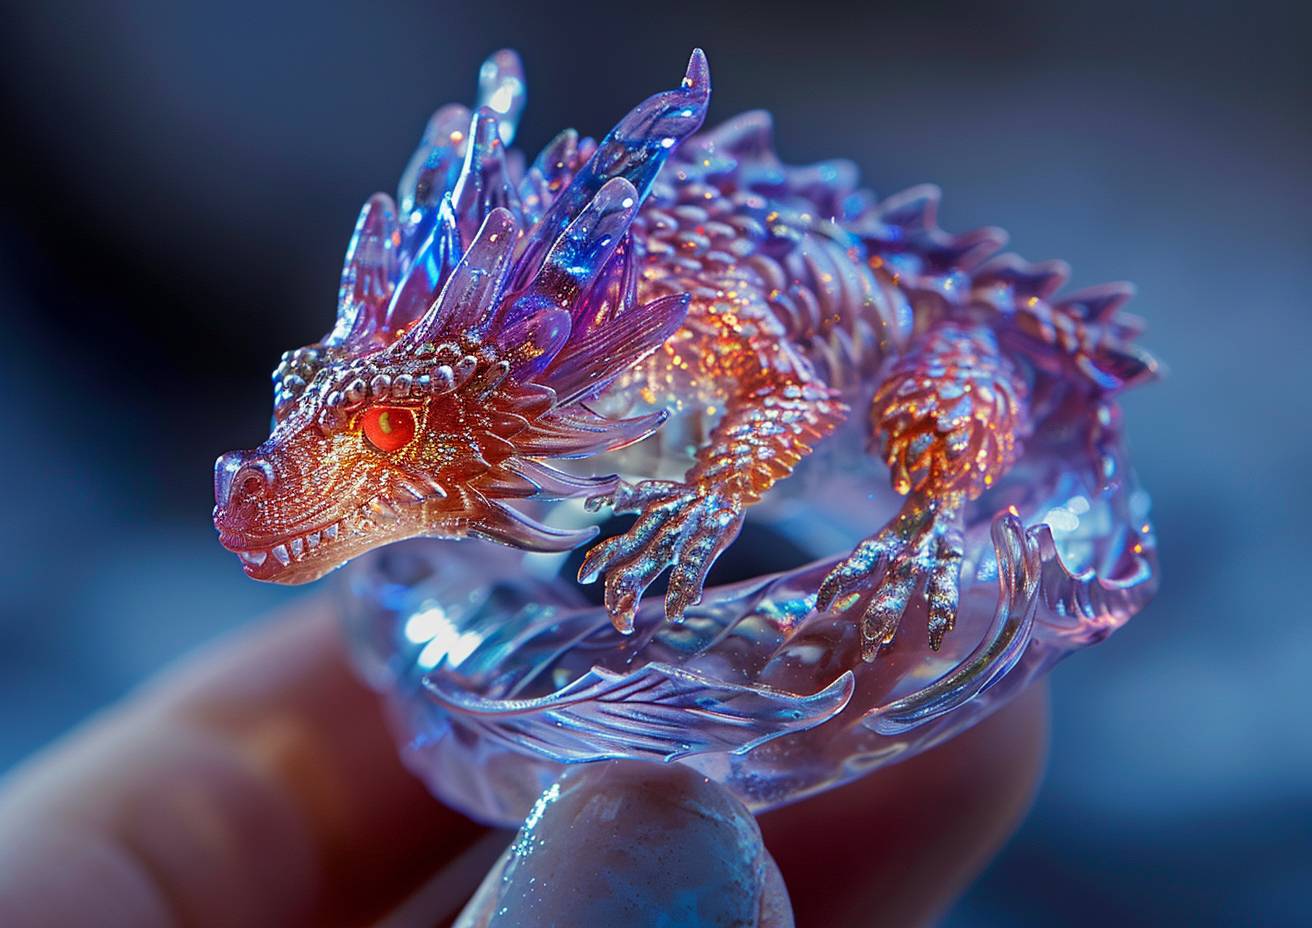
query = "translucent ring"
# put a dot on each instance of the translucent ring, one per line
(498, 670)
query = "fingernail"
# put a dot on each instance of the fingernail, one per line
(638, 845)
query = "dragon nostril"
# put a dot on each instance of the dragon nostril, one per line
(225, 468)
(254, 478)
(238, 477)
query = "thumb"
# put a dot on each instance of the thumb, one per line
(634, 844)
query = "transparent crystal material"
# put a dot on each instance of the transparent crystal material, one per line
(901, 449)
(497, 671)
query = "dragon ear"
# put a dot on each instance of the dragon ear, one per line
(368, 274)
(635, 150)
(592, 360)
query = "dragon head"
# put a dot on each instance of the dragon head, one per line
(474, 321)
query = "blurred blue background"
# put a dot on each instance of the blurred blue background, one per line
(183, 179)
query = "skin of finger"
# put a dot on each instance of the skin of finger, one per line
(634, 844)
(256, 784)
(897, 847)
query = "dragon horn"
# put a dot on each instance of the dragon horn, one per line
(428, 271)
(484, 181)
(640, 142)
(472, 293)
(431, 172)
(635, 150)
(436, 164)
(581, 252)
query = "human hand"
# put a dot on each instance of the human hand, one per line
(257, 784)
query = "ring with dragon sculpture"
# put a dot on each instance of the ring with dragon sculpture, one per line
(788, 483)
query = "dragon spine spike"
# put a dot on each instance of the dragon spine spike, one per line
(749, 136)
(1099, 303)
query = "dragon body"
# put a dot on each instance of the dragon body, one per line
(510, 333)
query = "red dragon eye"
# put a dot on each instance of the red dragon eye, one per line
(389, 427)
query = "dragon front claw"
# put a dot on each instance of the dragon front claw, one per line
(632, 497)
(921, 545)
(679, 526)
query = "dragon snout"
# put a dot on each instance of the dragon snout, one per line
(240, 478)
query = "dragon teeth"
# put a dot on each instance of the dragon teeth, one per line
(298, 548)
(312, 540)
(254, 558)
(280, 552)
(331, 531)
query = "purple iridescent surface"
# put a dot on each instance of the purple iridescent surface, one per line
(703, 322)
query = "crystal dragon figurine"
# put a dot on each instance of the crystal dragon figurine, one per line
(667, 324)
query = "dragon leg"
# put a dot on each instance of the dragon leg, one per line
(949, 414)
(771, 421)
